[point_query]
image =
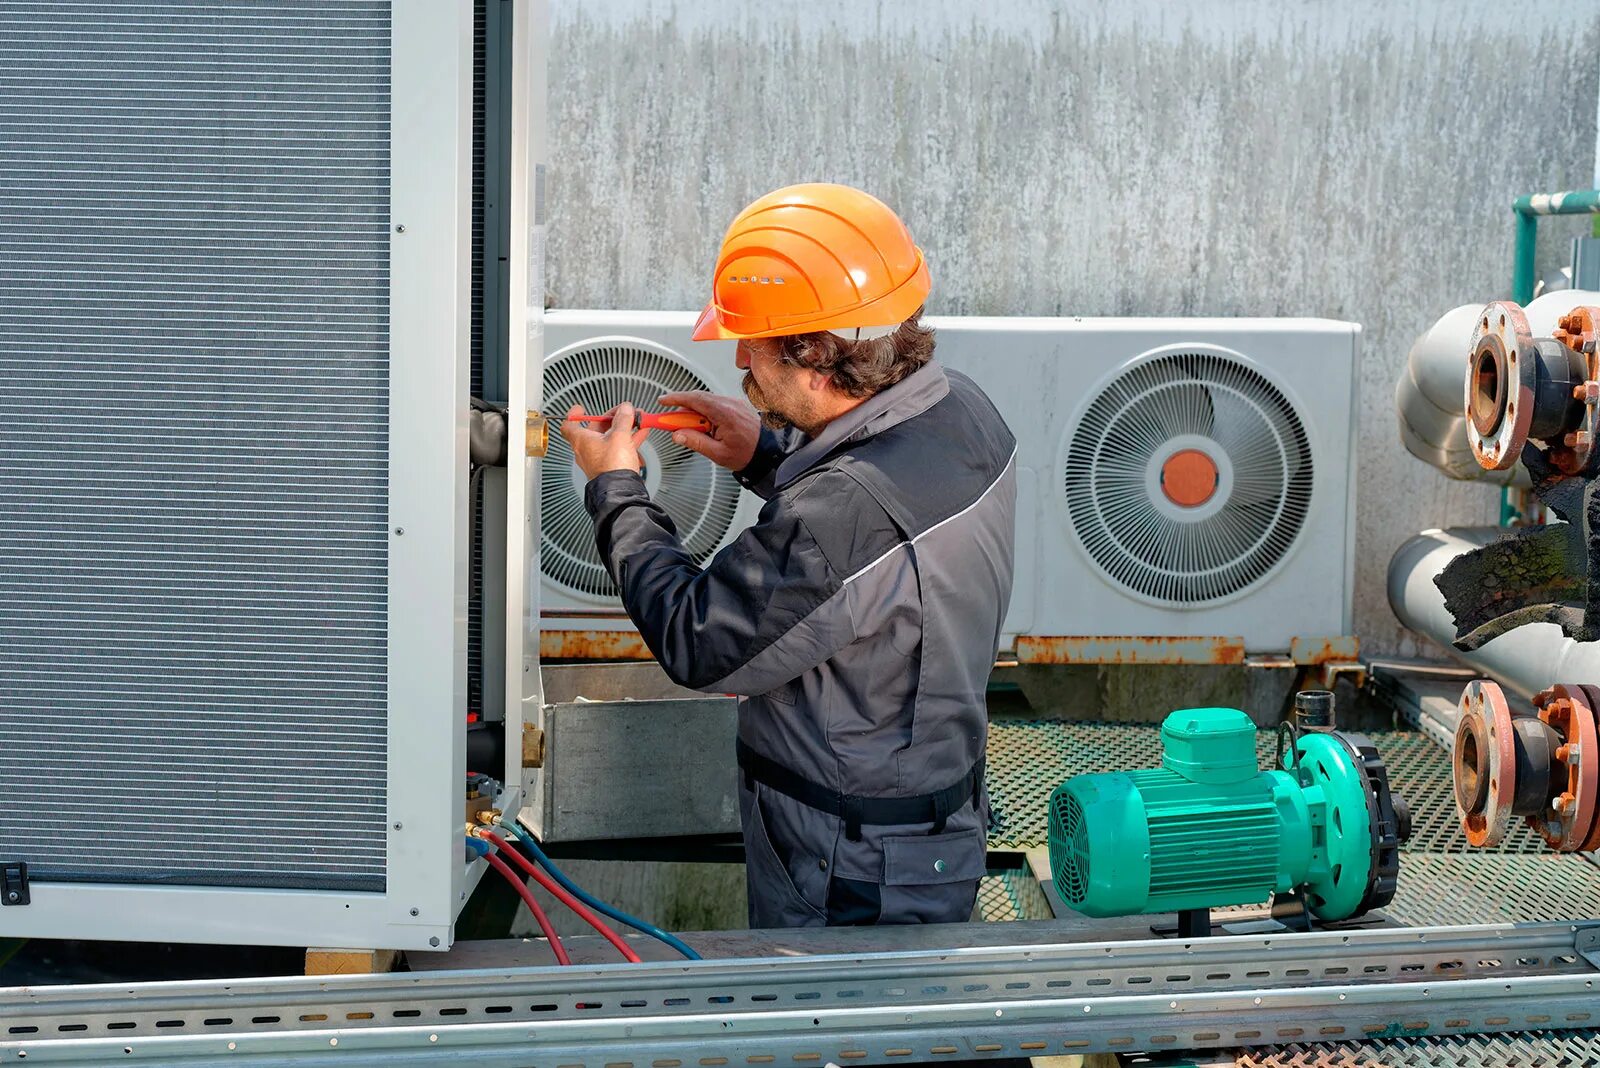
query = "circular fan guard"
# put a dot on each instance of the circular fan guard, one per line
(1241, 421)
(699, 496)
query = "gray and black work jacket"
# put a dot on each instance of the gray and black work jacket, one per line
(858, 619)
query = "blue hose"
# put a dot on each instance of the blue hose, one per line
(532, 846)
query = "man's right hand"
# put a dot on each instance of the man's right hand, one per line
(735, 428)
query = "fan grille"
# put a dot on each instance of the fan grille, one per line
(699, 496)
(1071, 849)
(1240, 419)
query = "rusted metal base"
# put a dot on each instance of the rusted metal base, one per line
(592, 645)
(1037, 649)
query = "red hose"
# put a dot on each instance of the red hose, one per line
(533, 906)
(565, 898)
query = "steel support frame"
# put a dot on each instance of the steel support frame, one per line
(1157, 995)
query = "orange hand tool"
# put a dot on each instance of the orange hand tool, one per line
(668, 421)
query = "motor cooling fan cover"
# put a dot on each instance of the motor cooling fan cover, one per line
(700, 497)
(1188, 477)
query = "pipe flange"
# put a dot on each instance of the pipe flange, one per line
(1484, 764)
(1592, 840)
(1502, 373)
(1567, 824)
(1576, 454)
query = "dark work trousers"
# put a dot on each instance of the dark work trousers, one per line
(800, 871)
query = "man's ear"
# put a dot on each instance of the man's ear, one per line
(818, 381)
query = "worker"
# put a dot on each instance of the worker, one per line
(859, 618)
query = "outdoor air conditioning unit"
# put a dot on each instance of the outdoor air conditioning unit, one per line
(599, 359)
(1178, 478)
(236, 352)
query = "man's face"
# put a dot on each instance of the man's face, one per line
(774, 387)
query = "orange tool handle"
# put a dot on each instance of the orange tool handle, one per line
(674, 420)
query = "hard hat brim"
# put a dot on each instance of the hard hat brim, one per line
(709, 326)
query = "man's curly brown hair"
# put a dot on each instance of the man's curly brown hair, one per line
(861, 368)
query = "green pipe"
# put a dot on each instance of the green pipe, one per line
(1528, 209)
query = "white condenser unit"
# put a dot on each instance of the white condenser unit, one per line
(599, 359)
(237, 348)
(1178, 478)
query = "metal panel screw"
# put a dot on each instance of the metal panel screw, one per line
(434, 941)
(399, 826)
(416, 912)
(400, 229)
(399, 530)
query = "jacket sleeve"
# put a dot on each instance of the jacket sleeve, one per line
(771, 449)
(764, 610)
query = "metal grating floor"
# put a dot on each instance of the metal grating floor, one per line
(1011, 894)
(1534, 1049)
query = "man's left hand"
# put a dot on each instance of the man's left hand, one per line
(615, 450)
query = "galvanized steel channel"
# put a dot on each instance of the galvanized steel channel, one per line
(877, 1008)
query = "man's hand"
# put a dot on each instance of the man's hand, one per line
(615, 450)
(735, 428)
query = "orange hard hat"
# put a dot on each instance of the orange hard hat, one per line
(814, 257)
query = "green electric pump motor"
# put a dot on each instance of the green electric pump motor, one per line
(1209, 828)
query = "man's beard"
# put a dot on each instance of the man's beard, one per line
(769, 418)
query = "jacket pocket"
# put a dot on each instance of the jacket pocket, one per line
(923, 859)
(775, 900)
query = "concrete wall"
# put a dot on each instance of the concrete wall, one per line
(1152, 157)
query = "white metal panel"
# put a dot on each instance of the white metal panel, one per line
(524, 702)
(431, 355)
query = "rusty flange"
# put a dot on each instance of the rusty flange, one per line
(1484, 762)
(1501, 377)
(1575, 774)
(1579, 330)
(1592, 841)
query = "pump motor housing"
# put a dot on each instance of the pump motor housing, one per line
(1209, 828)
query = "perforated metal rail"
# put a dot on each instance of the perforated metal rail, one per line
(880, 1008)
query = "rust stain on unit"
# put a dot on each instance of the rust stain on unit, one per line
(1035, 649)
(592, 645)
(1314, 652)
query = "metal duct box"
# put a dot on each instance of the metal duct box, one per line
(628, 754)
(233, 525)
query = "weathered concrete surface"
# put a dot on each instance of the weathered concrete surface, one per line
(1151, 157)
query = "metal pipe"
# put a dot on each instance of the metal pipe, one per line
(1528, 209)
(1430, 401)
(1526, 660)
